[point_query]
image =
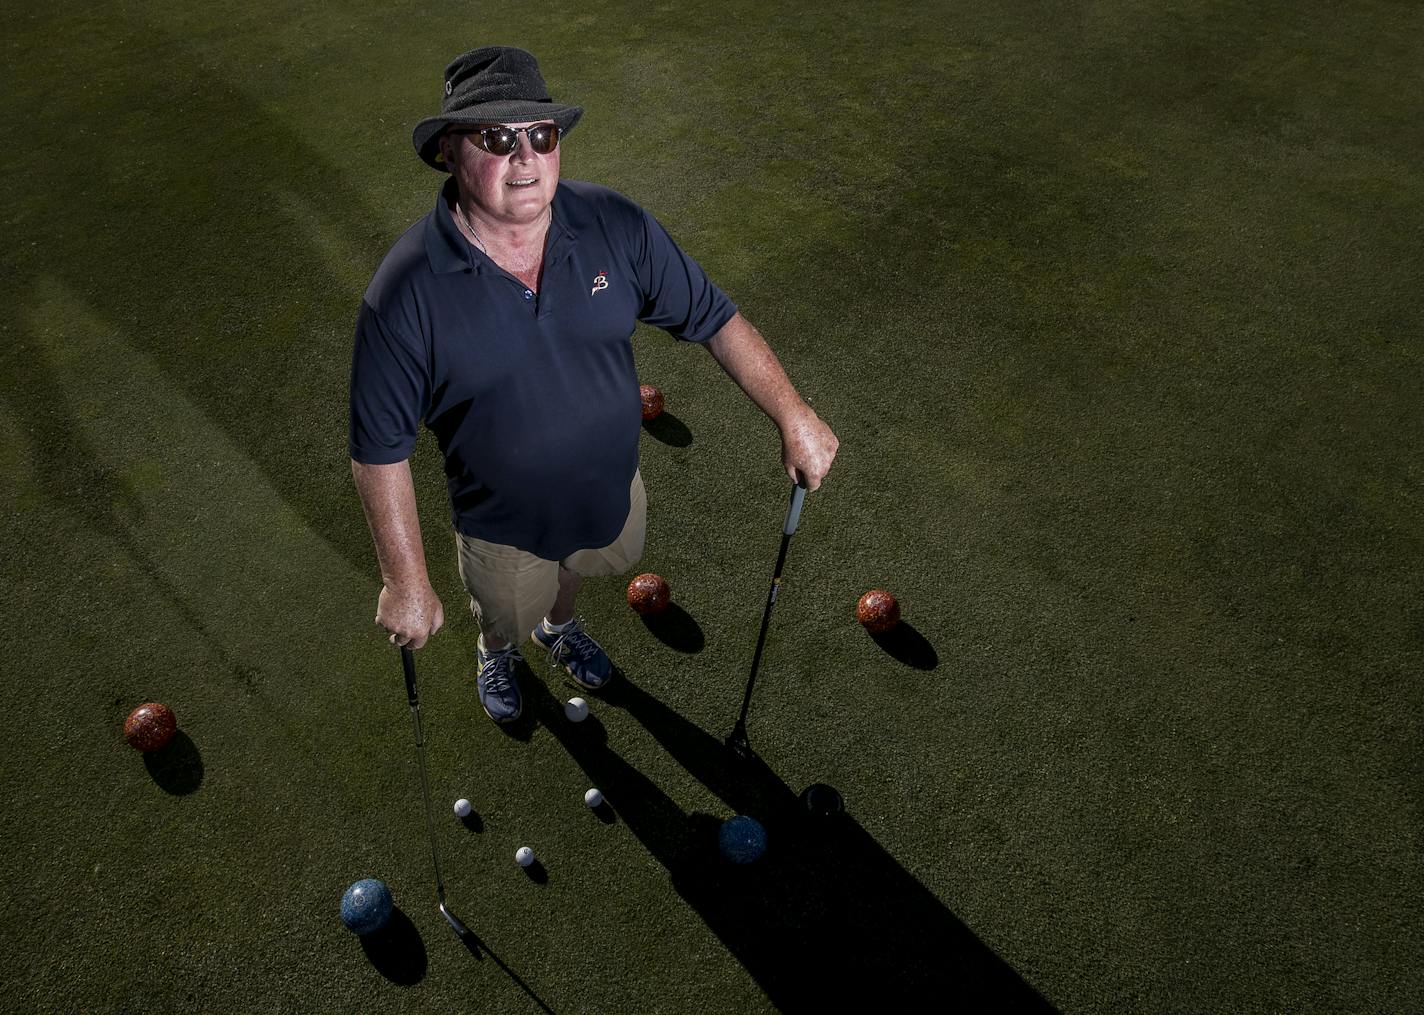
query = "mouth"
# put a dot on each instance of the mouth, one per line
(522, 183)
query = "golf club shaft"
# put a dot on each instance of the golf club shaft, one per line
(793, 518)
(408, 664)
(761, 638)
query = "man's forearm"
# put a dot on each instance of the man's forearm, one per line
(388, 497)
(749, 361)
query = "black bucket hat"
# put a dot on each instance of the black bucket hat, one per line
(492, 84)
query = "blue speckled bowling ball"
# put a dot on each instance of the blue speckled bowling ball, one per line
(366, 906)
(742, 839)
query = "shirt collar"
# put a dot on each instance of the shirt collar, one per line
(449, 251)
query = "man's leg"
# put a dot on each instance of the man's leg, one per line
(568, 644)
(509, 589)
(563, 609)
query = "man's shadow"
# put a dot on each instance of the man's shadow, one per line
(826, 916)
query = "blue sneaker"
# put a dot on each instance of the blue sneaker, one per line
(499, 694)
(572, 648)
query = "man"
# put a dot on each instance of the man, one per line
(503, 320)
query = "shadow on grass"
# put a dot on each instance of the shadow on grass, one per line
(677, 629)
(397, 951)
(605, 813)
(826, 917)
(522, 729)
(219, 316)
(670, 430)
(479, 950)
(177, 767)
(908, 646)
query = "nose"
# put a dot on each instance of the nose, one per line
(523, 149)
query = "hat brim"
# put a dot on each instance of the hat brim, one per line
(426, 136)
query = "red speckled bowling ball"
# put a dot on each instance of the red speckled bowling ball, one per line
(877, 611)
(652, 401)
(649, 593)
(150, 727)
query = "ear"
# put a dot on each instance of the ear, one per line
(447, 150)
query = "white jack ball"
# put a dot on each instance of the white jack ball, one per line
(462, 808)
(576, 710)
(594, 798)
(524, 856)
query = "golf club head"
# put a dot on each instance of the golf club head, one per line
(454, 921)
(738, 745)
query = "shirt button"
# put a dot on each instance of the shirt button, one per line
(528, 294)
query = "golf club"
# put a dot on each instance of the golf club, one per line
(737, 741)
(408, 663)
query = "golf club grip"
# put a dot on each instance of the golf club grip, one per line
(793, 513)
(408, 664)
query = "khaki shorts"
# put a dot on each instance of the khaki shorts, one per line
(511, 590)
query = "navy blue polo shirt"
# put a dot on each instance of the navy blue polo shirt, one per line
(532, 397)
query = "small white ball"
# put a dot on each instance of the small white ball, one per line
(524, 856)
(593, 798)
(576, 710)
(462, 808)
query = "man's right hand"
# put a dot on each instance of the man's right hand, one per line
(412, 614)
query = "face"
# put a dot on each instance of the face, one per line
(488, 181)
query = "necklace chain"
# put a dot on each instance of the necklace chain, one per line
(549, 213)
(466, 219)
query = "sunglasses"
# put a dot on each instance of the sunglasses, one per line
(501, 140)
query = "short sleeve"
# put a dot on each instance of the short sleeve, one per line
(390, 391)
(677, 294)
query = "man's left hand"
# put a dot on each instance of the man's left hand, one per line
(807, 447)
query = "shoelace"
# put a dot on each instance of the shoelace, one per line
(495, 676)
(580, 644)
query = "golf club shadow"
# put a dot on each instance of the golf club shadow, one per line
(477, 947)
(908, 646)
(669, 429)
(826, 917)
(176, 767)
(676, 629)
(397, 951)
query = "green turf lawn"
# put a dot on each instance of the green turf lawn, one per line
(1116, 311)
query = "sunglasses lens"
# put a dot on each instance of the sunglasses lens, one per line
(544, 138)
(499, 140)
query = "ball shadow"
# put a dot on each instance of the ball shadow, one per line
(537, 872)
(176, 767)
(669, 429)
(908, 646)
(397, 951)
(606, 813)
(591, 728)
(676, 629)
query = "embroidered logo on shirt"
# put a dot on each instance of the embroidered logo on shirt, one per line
(600, 281)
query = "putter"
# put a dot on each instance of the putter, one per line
(408, 663)
(737, 741)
